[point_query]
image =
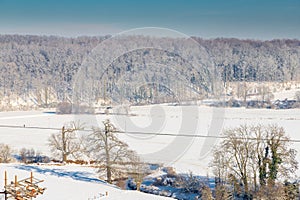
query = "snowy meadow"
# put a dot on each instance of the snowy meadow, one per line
(193, 154)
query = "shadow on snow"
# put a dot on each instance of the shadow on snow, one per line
(76, 175)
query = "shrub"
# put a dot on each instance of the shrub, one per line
(64, 108)
(69, 108)
(31, 156)
(5, 153)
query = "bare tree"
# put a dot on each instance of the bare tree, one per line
(27, 155)
(189, 183)
(137, 170)
(109, 152)
(222, 171)
(239, 148)
(259, 158)
(276, 192)
(206, 193)
(222, 192)
(5, 153)
(265, 93)
(66, 142)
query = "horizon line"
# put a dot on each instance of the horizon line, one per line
(153, 36)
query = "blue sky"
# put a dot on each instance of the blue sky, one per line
(255, 19)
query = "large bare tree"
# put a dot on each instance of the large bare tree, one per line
(109, 152)
(66, 142)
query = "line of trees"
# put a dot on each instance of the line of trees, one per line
(257, 162)
(251, 162)
(43, 68)
(101, 146)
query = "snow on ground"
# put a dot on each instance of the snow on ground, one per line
(71, 183)
(152, 119)
(287, 94)
(183, 153)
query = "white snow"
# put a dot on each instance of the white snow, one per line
(190, 153)
(287, 94)
(71, 183)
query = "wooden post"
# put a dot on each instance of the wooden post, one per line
(16, 181)
(5, 179)
(138, 185)
(31, 177)
(5, 185)
(16, 184)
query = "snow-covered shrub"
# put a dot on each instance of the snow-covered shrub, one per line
(165, 193)
(64, 108)
(150, 189)
(131, 184)
(189, 183)
(31, 156)
(164, 181)
(170, 171)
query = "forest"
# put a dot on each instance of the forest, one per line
(45, 68)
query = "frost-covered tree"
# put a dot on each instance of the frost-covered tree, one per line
(189, 183)
(206, 193)
(66, 143)
(47, 67)
(109, 152)
(5, 153)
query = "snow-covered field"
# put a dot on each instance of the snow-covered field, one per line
(182, 152)
(71, 183)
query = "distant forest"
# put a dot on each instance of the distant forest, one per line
(30, 64)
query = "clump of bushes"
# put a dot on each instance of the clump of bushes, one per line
(31, 156)
(69, 108)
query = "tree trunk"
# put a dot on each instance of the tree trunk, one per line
(108, 174)
(245, 185)
(254, 180)
(46, 96)
(64, 155)
(108, 167)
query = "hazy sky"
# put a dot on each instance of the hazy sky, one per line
(257, 19)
